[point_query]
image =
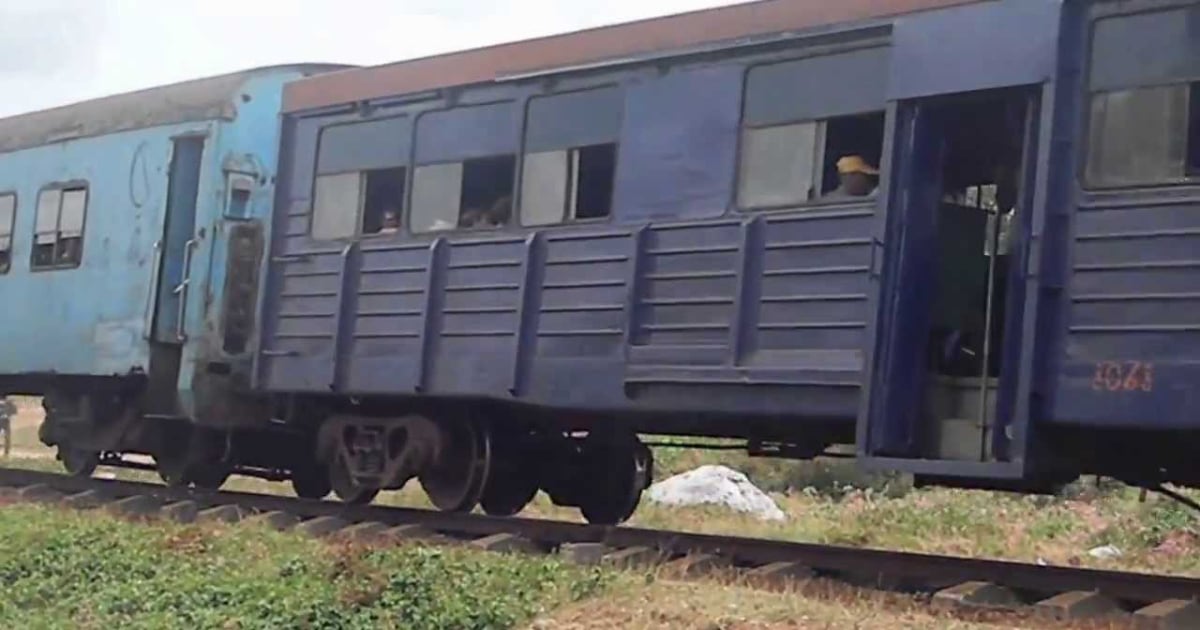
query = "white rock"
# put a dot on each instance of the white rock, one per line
(715, 485)
(1106, 552)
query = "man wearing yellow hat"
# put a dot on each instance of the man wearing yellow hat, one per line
(856, 178)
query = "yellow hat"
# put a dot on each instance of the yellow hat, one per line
(855, 164)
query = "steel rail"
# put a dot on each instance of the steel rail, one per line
(889, 570)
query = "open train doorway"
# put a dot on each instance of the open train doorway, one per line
(951, 300)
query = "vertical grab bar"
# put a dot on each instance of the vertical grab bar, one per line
(182, 290)
(152, 295)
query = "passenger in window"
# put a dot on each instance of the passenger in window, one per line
(856, 179)
(499, 213)
(471, 217)
(390, 223)
(495, 215)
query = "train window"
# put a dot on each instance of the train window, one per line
(779, 165)
(1145, 136)
(383, 197)
(475, 193)
(571, 155)
(568, 185)
(365, 202)
(437, 197)
(364, 145)
(796, 163)
(58, 229)
(8, 216)
(335, 205)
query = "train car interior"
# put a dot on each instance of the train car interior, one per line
(958, 297)
(975, 217)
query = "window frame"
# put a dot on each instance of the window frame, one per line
(62, 188)
(616, 144)
(1086, 92)
(1191, 172)
(361, 205)
(572, 197)
(312, 218)
(821, 149)
(514, 195)
(12, 228)
(818, 152)
(317, 174)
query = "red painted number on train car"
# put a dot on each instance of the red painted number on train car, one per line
(1123, 376)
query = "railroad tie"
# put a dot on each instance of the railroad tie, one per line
(275, 520)
(1172, 614)
(86, 500)
(975, 595)
(322, 526)
(1076, 605)
(184, 512)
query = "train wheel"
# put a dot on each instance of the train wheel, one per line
(311, 483)
(347, 489)
(509, 496)
(78, 462)
(621, 468)
(455, 482)
(512, 484)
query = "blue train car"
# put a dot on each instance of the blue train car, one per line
(1093, 337)
(893, 224)
(132, 236)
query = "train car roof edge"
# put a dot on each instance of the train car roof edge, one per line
(205, 98)
(654, 35)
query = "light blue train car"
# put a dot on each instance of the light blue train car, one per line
(132, 235)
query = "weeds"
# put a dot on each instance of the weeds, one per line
(66, 569)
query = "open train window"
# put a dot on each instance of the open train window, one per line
(8, 217)
(795, 164)
(58, 227)
(568, 185)
(360, 202)
(383, 198)
(1145, 136)
(570, 164)
(474, 193)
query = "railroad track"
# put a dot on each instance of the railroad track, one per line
(1054, 594)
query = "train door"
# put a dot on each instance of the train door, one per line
(179, 241)
(952, 296)
(173, 261)
(955, 296)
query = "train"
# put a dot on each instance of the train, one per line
(961, 237)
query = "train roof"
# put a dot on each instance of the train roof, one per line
(199, 99)
(679, 32)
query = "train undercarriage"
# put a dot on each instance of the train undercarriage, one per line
(475, 455)
(460, 460)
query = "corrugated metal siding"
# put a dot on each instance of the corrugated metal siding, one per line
(1135, 297)
(551, 317)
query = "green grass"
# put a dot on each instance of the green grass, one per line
(64, 569)
(830, 501)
